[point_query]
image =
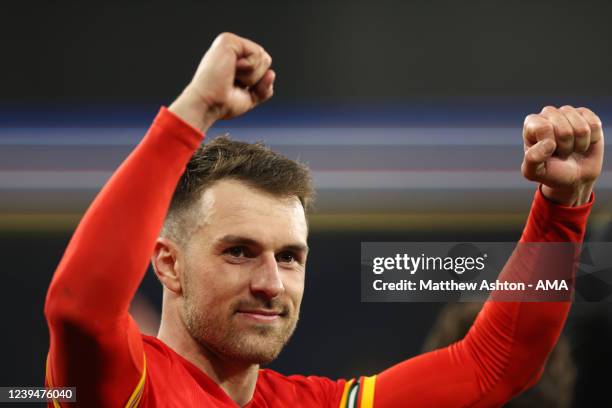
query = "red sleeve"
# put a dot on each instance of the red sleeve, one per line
(505, 350)
(95, 345)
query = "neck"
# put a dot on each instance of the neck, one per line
(235, 378)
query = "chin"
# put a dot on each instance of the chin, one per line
(258, 349)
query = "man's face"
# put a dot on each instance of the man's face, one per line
(244, 270)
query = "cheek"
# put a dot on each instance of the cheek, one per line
(294, 286)
(214, 281)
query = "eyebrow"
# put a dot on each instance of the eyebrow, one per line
(239, 240)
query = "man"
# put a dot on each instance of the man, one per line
(231, 257)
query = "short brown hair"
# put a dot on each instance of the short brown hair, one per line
(252, 163)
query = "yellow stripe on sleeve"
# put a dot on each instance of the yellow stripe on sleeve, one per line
(347, 387)
(56, 404)
(135, 397)
(367, 393)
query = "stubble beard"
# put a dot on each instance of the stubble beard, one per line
(220, 333)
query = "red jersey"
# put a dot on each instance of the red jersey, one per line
(97, 347)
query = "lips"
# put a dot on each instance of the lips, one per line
(263, 315)
(264, 312)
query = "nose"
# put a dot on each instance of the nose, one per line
(266, 279)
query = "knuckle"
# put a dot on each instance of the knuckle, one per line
(595, 123)
(592, 119)
(548, 109)
(224, 37)
(564, 134)
(531, 117)
(265, 59)
(540, 127)
(566, 108)
(546, 127)
(582, 130)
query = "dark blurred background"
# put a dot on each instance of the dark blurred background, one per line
(409, 114)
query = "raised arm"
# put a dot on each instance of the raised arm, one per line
(95, 345)
(506, 348)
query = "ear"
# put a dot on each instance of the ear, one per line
(167, 264)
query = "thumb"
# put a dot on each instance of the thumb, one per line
(534, 162)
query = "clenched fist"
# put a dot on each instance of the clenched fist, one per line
(564, 150)
(233, 77)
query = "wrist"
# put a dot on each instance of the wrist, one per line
(194, 110)
(571, 197)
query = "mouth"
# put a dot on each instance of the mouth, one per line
(261, 315)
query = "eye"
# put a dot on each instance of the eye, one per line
(236, 252)
(286, 257)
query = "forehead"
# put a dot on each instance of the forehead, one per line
(232, 207)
